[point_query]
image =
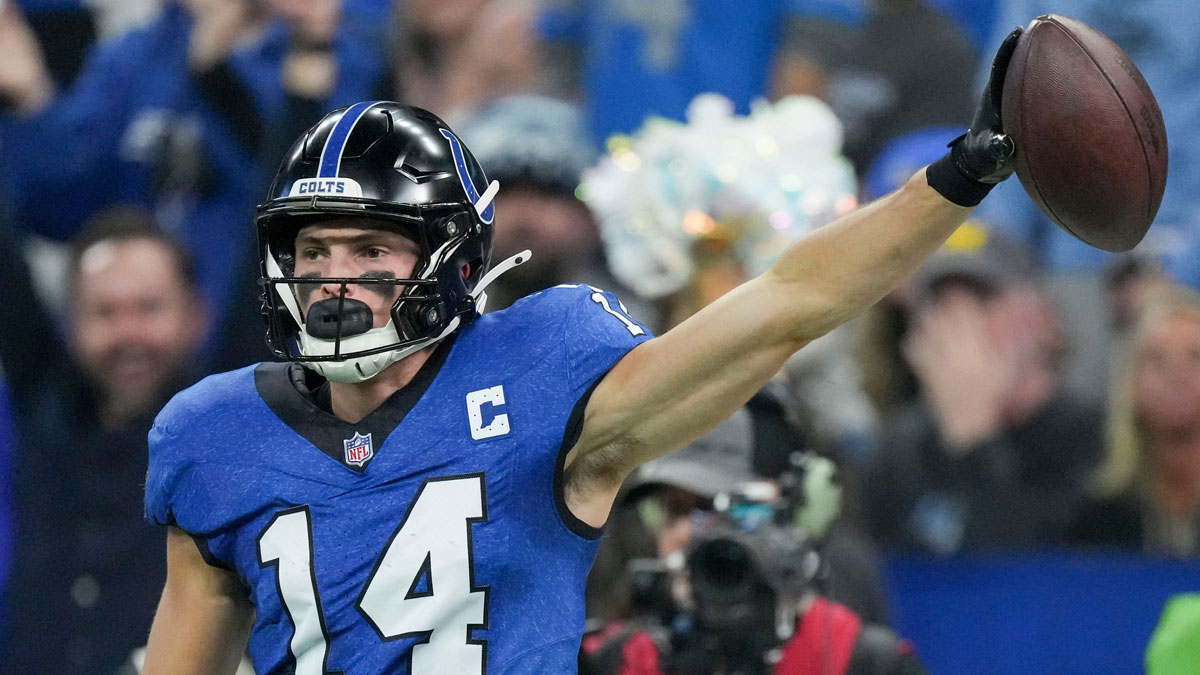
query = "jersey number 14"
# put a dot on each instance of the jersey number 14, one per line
(393, 600)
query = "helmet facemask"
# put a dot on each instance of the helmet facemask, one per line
(398, 168)
(336, 336)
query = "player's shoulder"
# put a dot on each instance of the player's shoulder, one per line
(569, 318)
(207, 400)
(561, 303)
(556, 299)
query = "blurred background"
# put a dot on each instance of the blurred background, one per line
(998, 466)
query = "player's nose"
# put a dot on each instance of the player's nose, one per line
(340, 267)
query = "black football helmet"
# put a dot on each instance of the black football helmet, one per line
(405, 168)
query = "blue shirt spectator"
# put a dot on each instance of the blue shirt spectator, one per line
(141, 126)
(134, 129)
(1160, 36)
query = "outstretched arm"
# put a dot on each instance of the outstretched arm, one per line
(203, 619)
(672, 390)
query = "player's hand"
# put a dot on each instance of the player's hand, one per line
(983, 152)
(313, 23)
(310, 69)
(979, 158)
(219, 26)
(24, 79)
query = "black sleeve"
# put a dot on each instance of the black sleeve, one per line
(1028, 485)
(300, 113)
(228, 97)
(895, 477)
(259, 136)
(29, 344)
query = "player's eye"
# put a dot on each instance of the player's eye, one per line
(375, 252)
(310, 254)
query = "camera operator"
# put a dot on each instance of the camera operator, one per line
(734, 584)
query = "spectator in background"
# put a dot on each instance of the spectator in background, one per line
(818, 35)
(879, 333)
(906, 67)
(325, 56)
(454, 56)
(78, 601)
(1131, 282)
(992, 454)
(170, 116)
(138, 131)
(632, 60)
(1160, 37)
(649, 564)
(25, 82)
(1147, 491)
(538, 148)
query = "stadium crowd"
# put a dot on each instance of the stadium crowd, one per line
(1022, 392)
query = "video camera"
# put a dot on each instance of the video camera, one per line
(729, 602)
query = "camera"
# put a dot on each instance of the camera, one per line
(729, 601)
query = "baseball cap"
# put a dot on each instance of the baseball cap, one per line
(531, 140)
(718, 462)
(977, 255)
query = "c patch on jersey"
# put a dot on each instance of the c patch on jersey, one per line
(492, 399)
(359, 449)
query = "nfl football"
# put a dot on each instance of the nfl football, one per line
(1091, 145)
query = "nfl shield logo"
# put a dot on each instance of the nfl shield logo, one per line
(358, 449)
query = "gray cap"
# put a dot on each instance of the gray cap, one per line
(531, 140)
(976, 253)
(718, 462)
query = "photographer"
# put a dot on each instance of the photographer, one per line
(732, 574)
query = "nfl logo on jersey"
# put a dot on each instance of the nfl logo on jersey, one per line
(358, 449)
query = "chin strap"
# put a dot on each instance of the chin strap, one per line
(493, 274)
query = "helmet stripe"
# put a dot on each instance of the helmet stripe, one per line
(335, 143)
(464, 176)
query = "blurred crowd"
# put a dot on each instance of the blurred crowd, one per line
(1021, 392)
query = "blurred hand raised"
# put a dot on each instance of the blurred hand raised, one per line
(24, 80)
(966, 374)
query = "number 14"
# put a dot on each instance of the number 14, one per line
(429, 543)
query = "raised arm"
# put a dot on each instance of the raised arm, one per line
(672, 390)
(29, 345)
(203, 619)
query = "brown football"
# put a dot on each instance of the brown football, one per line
(1091, 145)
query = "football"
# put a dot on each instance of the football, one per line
(1091, 145)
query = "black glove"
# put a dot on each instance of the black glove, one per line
(979, 158)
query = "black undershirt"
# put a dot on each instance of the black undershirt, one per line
(302, 399)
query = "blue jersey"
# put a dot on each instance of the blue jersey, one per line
(432, 536)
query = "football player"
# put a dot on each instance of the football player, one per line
(420, 488)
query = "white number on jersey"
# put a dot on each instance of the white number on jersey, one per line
(433, 542)
(634, 329)
(286, 543)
